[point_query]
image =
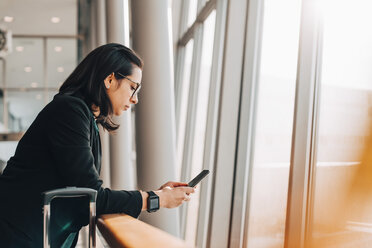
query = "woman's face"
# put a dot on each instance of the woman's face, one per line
(121, 91)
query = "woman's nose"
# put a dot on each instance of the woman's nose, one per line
(134, 99)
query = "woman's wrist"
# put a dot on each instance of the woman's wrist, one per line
(145, 195)
(162, 200)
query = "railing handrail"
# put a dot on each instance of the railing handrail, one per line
(121, 230)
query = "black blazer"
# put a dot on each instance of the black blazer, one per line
(61, 148)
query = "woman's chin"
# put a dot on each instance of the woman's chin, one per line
(118, 113)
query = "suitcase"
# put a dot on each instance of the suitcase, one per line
(70, 192)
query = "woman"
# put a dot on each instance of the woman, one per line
(62, 148)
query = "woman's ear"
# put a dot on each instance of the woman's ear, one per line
(108, 80)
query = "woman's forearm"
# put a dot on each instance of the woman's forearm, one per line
(145, 195)
(144, 200)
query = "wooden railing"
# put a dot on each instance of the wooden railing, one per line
(120, 230)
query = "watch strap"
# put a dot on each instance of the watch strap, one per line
(152, 193)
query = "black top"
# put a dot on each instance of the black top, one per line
(61, 148)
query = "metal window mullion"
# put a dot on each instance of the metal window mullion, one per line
(184, 17)
(304, 114)
(211, 124)
(41, 36)
(247, 124)
(181, 56)
(180, 64)
(199, 6)
(205, 9)
(315, 137)
(180, 49)
(179, 99)
(5, 97)
(191, 118)
(224, 167)
(45, 68)
(201, 17)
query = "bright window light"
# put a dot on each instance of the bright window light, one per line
(347, 42)
(20, 48)
(55, 19)
(58, 49)
(8, 18)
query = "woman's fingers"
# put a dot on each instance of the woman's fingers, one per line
(189, 190)
(187, 197)
(173, 184)
(186, 193)
(178, 184)
(174, 197)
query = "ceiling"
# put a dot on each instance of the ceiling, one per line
(43, 53)
(33, 17)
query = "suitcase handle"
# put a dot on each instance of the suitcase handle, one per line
(69, 192)
(48, 196)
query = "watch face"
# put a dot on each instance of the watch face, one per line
(154, 203)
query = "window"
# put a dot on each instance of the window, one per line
(32, 82)
(201, 119)
(193, 5)
(194, 68)
(345, 114)
(277, 82)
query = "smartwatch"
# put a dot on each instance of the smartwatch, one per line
(152, 202)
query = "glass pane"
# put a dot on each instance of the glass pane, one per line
(1, 73)
(23, 108)
(2, 79)
(277, 82)
(7, 149)
(345, 113)
(185, 87)
(25, 65)
(51, 94)
(201, 120)
(62, 60)
(193, 6)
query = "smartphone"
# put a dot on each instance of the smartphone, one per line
(198, 178)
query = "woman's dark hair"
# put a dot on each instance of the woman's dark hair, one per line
(88, 77)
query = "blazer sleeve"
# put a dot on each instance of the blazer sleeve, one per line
(69, 137)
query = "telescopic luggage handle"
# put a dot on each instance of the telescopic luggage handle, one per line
(70, 192)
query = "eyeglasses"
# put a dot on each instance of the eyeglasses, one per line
(137, 89)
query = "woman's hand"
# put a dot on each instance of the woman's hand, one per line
(173, 197)
(172, 184)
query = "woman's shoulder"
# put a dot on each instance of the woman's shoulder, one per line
(66, 103)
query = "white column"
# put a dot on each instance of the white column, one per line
(105, 159)
(92, 41)
(155, 113)
(100, 24)
(122, 172)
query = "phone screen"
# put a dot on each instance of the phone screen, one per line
(198, 178)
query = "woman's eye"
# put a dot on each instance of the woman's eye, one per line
(133, 88)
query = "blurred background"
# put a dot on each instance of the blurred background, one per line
(273, 96)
